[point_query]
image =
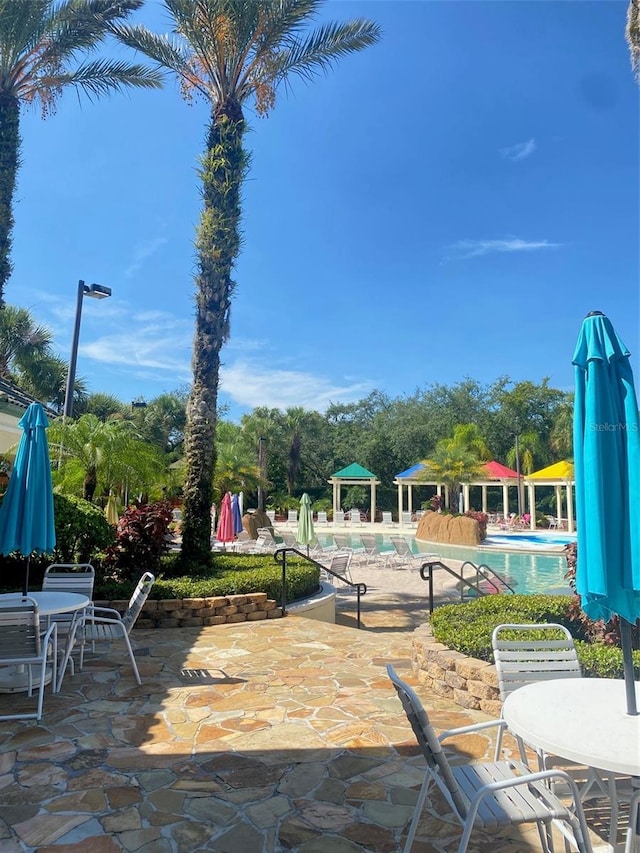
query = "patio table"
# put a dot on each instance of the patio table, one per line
(582, 719)
(13, 679)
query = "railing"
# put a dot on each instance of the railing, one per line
(280, 556)
(499, 584)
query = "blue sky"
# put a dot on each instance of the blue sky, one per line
(448, 203)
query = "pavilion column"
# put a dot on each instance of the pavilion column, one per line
(559, 505)
(569, 507)
(484, 498)
(400, 502)
(531, 491)
(465, 497)
(336, 497)
(410, 497)
(373, 500)
(505, 501)
(446, 498)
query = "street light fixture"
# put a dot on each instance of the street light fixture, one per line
(95, 291)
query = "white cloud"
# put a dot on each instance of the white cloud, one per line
(142, 253)
(519, 151)
(251, 384)
(476, 248)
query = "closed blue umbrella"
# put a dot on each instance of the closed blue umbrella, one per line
(236, 514)
(606, 446)
(26, 514)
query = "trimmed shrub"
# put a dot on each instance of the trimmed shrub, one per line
(141, 540)
(468, 627)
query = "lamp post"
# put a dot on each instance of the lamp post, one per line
(95, 291)
(263, 473)
(517, 432)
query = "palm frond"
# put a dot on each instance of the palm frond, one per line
(169, 53)
(103, 76)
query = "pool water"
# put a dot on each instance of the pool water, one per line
(525, 572)
(529, 540)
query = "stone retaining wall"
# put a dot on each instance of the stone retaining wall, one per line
(198, 612)
(471, 683)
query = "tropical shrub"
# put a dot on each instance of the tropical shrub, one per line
(482, 518)
(82, 530)
(141, 540)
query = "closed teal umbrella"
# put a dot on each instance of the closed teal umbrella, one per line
(606, 446)
(306, 534)
(26, 514)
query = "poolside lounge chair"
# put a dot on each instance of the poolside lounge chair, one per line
(482, 795)
(271, 515)
(354, 517)
(404, 556)
(339, 564)
(292, 516)
(407, 519)
(322, 518)
(370, 544)
(387, 519)
(338, 517)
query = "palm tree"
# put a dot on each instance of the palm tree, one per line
(22, 340)
(230, 53)
(452, 463)
(633, 35)
(98, 456)
(40, 42)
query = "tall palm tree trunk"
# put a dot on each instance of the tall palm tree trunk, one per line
(9, 162)
(217, 244)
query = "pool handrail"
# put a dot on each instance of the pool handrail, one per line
(426, 573)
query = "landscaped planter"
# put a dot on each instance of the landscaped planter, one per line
(200, 612)
(470, 682)
(321, 606)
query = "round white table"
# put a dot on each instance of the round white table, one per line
(14, 679)
(583, 719)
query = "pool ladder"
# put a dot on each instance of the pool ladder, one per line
(481, 573)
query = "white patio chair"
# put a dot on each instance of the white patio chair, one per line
(490, 795)
(322, 518)
(404, 556)
(387, 519)
(68, 577)
(103, 624)
(339, 564)
(292, 516)
(22, 645)
(355, 517)
(338, 517)
(370, 544)
(407, 519)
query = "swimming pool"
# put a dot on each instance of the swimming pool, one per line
(525, 572)
(537, 540)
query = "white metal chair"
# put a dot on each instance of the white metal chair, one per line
(387, 519)
(633, 832)
(338, 517)
(370, 544)
(404, 556)
(322, 518)
(489, 795)
(539, 652)
(355, 517)
(339, 565)
(103, 624)
(22, 645)
(292, 516)
(407, 519)
(271, 515)
(68, 577)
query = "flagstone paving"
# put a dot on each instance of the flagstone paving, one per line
(283, 735)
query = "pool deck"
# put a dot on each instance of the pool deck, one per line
(283, 735)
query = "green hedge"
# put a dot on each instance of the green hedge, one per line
(467, 628)
(231, 574)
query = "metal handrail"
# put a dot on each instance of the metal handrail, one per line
(360, 588)
(482, 572)
(426, 573)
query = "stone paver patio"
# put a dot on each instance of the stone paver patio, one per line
(283, 735)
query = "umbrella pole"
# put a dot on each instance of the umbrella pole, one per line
(26, 577)
(627, 663)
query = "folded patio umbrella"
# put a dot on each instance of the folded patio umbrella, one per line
(236, 515)
(606, 446)
(111, 510)
(225, 522)
(305, 534)
(26, 514)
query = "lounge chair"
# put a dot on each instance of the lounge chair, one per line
(292, 516)
(271, 515)
(404, 556)
(407, 519)
(370, 545)
(322, 518)
(483, 795)
(339, 565)
(354, 517)
(387, 519)
(338, 517)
